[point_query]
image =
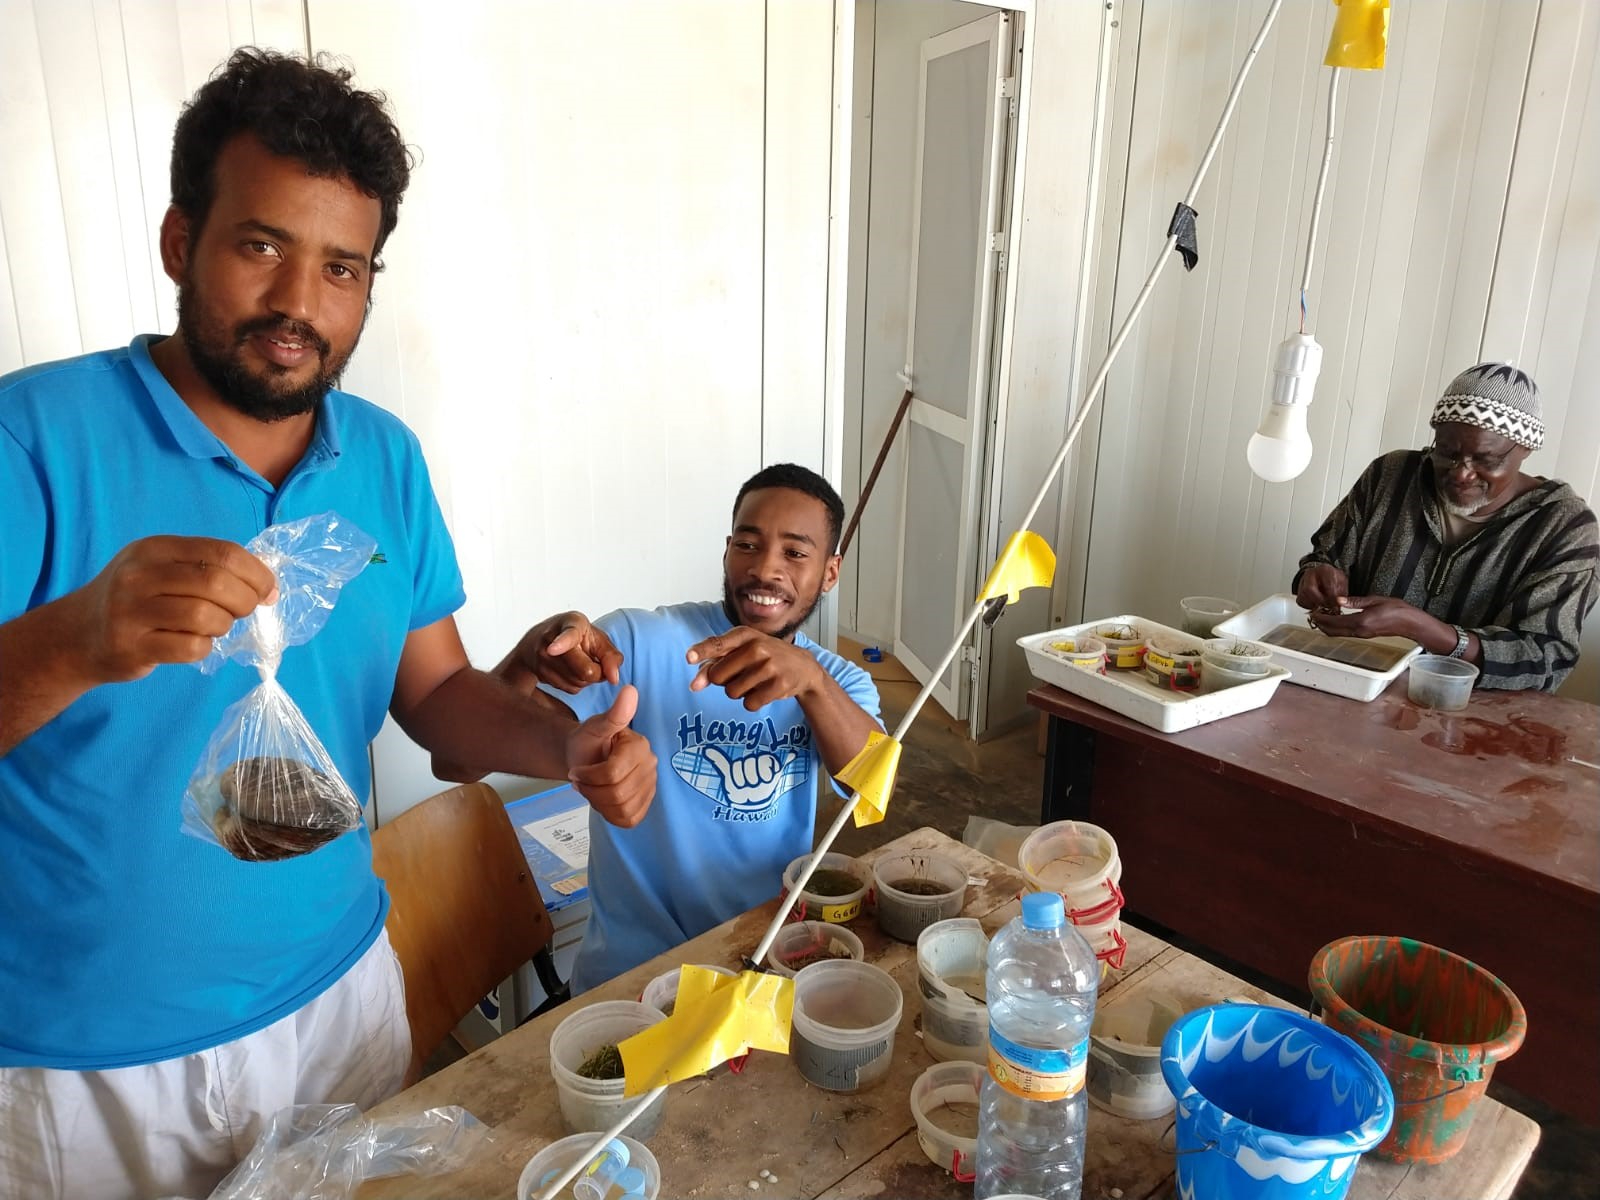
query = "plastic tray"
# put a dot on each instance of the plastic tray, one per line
(1132, 695)
(1323, 674)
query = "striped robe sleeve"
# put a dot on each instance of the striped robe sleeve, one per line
(1532, 642)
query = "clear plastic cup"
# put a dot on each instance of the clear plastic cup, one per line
(1081, 651)
(543, 1167)
(944, 1101)
(845, 1016)
(1202, 614)
(1125, 644)
(1224, 663)
(804, 939)
(951, 966)
(838, 907)
(594, 1105)
(914, 890)
(1437, 681)
(661, 993)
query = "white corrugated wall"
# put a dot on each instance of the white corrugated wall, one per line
(1462, 221)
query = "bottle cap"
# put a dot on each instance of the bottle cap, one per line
(1043, 910)
(619, 1149)
(630, 1180)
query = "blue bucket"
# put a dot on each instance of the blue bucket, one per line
(1271, 1105)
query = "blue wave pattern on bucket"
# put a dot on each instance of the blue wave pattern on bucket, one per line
(1271, 1105)
(1032, 1112)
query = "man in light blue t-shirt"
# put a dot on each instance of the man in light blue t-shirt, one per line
(745, 714)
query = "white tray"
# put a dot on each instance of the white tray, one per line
(1325, 675)
(1135, 697)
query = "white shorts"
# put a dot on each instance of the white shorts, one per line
(175, 1128)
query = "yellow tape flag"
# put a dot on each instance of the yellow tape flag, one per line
(715, 1017)
(1027, 561)
(1360, 35)
(871, 773)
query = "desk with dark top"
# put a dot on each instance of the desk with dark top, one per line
(1267, 835)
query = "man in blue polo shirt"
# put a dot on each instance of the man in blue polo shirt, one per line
(745, 714)
(159, 999)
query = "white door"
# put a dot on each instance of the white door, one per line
(961, 112)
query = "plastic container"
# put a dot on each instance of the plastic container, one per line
(944, 1102)
(1076, 859)
(799, 939)
(903, 913)
(1436, 1024)
(818, 907)
(1311, 670)
(1437, 681)
(558, 1156)
(1125, 1056)
(951, 963)
(1271, 1105)
(1202, 614)
(845, 1015)
(1125, 644)
(1173, 664)
(1134, 696)
(661, 993)
(593, 1105)
(1082, 651)
(1033, 1113)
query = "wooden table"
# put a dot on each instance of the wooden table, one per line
(719, 1133)
(1266, 835)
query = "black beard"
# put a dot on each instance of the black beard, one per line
(784, 634)
(250, 394)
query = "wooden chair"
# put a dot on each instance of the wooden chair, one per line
(464, 911)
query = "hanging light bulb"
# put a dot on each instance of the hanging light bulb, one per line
(1281, 448)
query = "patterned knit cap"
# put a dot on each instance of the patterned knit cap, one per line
(1496, 397)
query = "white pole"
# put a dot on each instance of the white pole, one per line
(977, 610)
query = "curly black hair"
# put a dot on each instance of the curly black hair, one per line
(299, 109)
(800, 479)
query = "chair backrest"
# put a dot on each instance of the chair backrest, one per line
(464, 910)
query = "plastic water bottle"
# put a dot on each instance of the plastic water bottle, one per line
(1042, 981)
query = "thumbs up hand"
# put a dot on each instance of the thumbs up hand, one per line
(610, 765)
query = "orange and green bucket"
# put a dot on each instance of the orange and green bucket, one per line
(1435, 1022)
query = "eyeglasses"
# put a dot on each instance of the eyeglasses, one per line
(1486, 464)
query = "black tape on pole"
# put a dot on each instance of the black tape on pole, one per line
(1183, 226)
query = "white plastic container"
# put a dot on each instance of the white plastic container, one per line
(951, 962)
(1077, 859)
(1085, 653)
(1125, 1056)
(594, 1105)
(837, 909)
(1321, 674)
(944, 1102)
(558, 1156)
(1438, 681)
(903, 915)
(661, 993)
(1202, 614)
(845, 1015)
(1135, 697)
(798, 938)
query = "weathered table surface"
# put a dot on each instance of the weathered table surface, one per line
(719, 1133)
(1318, 817)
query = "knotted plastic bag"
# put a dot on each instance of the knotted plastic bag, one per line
(266, 788)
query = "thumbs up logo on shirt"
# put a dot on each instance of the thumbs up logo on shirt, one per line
(746, 770)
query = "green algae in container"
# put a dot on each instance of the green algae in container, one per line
(833, 893)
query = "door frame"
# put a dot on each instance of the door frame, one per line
(838, 307)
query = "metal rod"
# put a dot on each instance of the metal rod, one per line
(872, 477)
